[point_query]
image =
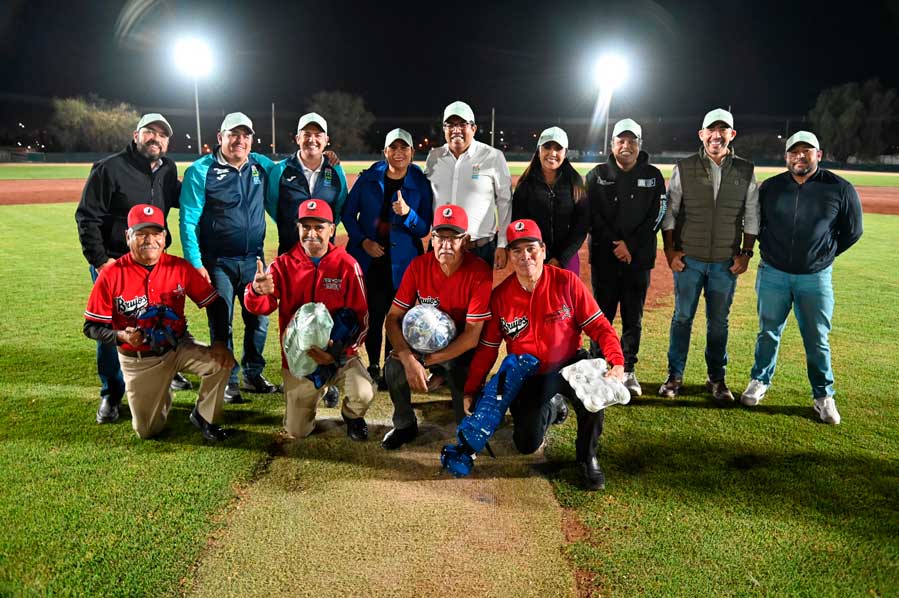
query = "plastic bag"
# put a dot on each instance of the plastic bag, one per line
(594, 390)
(427, 329)
(309, 327)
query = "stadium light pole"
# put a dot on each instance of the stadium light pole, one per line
(194, 58)
(610, 72)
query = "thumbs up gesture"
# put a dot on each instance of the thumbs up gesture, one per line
(399, 205)
(263, 284)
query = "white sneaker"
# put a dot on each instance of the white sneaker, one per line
(754, 393)
(631, 384)
(826, 409)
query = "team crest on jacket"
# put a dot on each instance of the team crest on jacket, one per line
(559, 315)
(435, 301)
(332, 284)
(131, 306)
(515, 327)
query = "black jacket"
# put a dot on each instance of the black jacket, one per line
(626, 206)
(115, 185)
(804, 227)
(562, 221)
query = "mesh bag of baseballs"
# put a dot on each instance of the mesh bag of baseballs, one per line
(587, 378)
(427, 329)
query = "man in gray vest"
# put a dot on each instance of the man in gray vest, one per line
(713, 205)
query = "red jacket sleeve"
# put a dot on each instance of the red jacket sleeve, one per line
(99, 304)
(485, 355)
(479, 304)
(405, 295)
(198, 289)
(591, 320)
(263, 305)
(357, 300)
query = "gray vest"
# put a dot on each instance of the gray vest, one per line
(706, 229)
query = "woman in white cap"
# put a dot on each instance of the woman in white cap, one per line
(386, 214)
(551, 193)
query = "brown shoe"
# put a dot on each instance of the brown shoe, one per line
(671, 388)
(720, 391)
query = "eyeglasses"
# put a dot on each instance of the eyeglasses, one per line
(446, 239)
(456, 125)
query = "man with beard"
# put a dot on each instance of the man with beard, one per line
(809, 216)
(474, 176)
(137, 308)
(456, 282)
(713, 203)
(138, 174)
(627, 203)
(316, 270)
(223, 231)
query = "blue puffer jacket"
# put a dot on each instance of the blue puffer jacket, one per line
(363, 208)
(288, 188)
(222, 210)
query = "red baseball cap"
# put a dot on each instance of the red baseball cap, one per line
(451, 217)
(523, 230)
(143, 215)
(317, 209)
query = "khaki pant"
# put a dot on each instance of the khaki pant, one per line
(301, 397)
(147, 380)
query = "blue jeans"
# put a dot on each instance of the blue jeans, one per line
(811, 298)
(112, 385)
(718, 283)
(230, 276)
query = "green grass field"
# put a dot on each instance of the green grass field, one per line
(80, 171)
(700, 500)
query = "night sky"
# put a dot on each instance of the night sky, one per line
(529, 60)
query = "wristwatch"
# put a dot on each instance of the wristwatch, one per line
(747, 252)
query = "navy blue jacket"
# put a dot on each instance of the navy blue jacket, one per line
(288, 188)
(223, 209)
(363, 209)
(804, 227)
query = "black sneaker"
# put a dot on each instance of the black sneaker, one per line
(232, 395)
(332, 397)
(179, 382)
(561, 409)
(397, 437)
(720, 391)
(258, 384)
(108, 411)
(211, 432)
(356, 428)
(672, 387)
(594, 479)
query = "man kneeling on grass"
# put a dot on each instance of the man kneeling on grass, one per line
(137, 304)
(316, 270)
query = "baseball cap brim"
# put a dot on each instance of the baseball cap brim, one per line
(142, 225)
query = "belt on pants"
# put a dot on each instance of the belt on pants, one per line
(478, 243)
(142, 354)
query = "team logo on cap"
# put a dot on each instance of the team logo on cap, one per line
(148, 211)
(447, 212)
(519, 226)
(311, 205)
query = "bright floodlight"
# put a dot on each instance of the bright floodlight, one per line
(611, 71)
(193, 57)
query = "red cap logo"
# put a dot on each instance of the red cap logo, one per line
(452, 217)
(523, 230)
(317, 209)
(144, 215)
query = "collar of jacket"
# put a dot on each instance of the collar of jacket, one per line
(728, 158)
(642, 158)
(140, 161)
(301, 255)
(294, 162)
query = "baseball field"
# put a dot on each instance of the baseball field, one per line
(700, 500)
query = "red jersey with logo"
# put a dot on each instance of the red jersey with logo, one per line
(125, 287)
(464, 295)
(336, 281)
(546, 323)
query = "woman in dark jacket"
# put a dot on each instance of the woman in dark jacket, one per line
(386, 215)
(551, 193)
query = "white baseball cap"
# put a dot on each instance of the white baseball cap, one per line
(803, 137)
(553, 134)
(401, 134)
(154, 118)
(460, 109)
(716, 115)
(312, 117)
(628, 125)
(237, 119)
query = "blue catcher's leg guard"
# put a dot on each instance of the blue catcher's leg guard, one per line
(476, 429)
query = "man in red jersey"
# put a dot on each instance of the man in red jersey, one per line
(543, 310)
(456, 282)
(316, 270)
(137, 304)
